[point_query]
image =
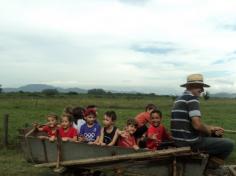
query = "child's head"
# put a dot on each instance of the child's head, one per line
(131, 126)
(52, 120)
(156, 116)
(66, 121)
(68, 110)
(109, 118)
(77, 113)
(90, 116)
(150, 107)
(93, 107)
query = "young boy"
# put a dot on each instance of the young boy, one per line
(50, 128)
(143, 120)
(127, 138)
(109, 133)
(156, 132)
(90, 131)
(66, 131)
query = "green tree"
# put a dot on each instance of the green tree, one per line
(0, 88)
(50, 92)
(96, 91)
(206, 95)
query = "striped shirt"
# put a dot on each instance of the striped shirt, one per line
(185, 107)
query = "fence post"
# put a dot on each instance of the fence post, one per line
(5, 130)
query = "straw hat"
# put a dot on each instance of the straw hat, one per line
(195, 79)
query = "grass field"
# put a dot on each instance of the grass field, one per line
(24, 109)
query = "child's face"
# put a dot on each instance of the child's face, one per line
(52, 122)
(107, 121)
(155, 119)
(131, 129)
(65, 123)
(90, 119)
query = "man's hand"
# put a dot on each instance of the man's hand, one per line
(218, 131)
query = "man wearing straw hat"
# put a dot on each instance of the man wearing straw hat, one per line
(188, 129)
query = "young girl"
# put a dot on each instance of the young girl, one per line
(78, 118)
(66, 131)
(90, 131)
(156, 132)
(50, 128)
(127, 138)
(109, 133)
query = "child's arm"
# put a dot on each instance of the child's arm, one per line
(115, 137)
(37, 126)
(101, 137)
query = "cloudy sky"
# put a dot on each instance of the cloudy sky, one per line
(142, 45)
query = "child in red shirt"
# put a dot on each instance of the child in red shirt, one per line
(50, 128)
(156, 132)
(127, 138)
(66, 131)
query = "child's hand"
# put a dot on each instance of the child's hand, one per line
(124, 134)
(35, 125)
(52, 139)
(102, 144)
(65, 139)
(136, 147)
(81, 139)
(153, 137)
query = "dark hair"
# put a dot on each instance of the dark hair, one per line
(91, 106)
(150, 106)
(111, 114)
(156, 111)
(77, 113)
(52, 115)
(68, 110)
(132, 122)
(69, 117)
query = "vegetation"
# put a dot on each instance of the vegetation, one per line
(26, 108)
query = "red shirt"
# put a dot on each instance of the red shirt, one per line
(142, 118)
(128, 142)
(50, 131)
(70, 133)
(161, 134)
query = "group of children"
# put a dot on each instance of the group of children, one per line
(81, 125)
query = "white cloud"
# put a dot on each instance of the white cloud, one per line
(90, 43)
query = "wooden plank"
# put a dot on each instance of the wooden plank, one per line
(133, 156)
(5, 130)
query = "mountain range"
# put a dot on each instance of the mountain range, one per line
(41, 87)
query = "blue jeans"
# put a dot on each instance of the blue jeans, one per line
(215, 146)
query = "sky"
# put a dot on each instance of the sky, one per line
(141, 45)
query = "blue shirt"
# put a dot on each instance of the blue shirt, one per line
(90, 134)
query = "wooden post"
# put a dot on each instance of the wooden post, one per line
(5, 130)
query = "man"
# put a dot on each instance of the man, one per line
(188, 129)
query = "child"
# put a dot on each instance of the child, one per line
(50, 128)
(66, 131)
(78, 118)
(156, 133)
(143, 119)
(109, 133)
(90, 131)
(127, 136)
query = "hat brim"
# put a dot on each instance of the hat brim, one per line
(204, 85)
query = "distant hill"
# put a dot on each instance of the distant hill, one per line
(223, 95)
(40, 87)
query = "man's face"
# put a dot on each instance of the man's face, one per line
(196, 89)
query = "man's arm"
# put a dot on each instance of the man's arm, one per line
(199, 126)
(206, 129)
